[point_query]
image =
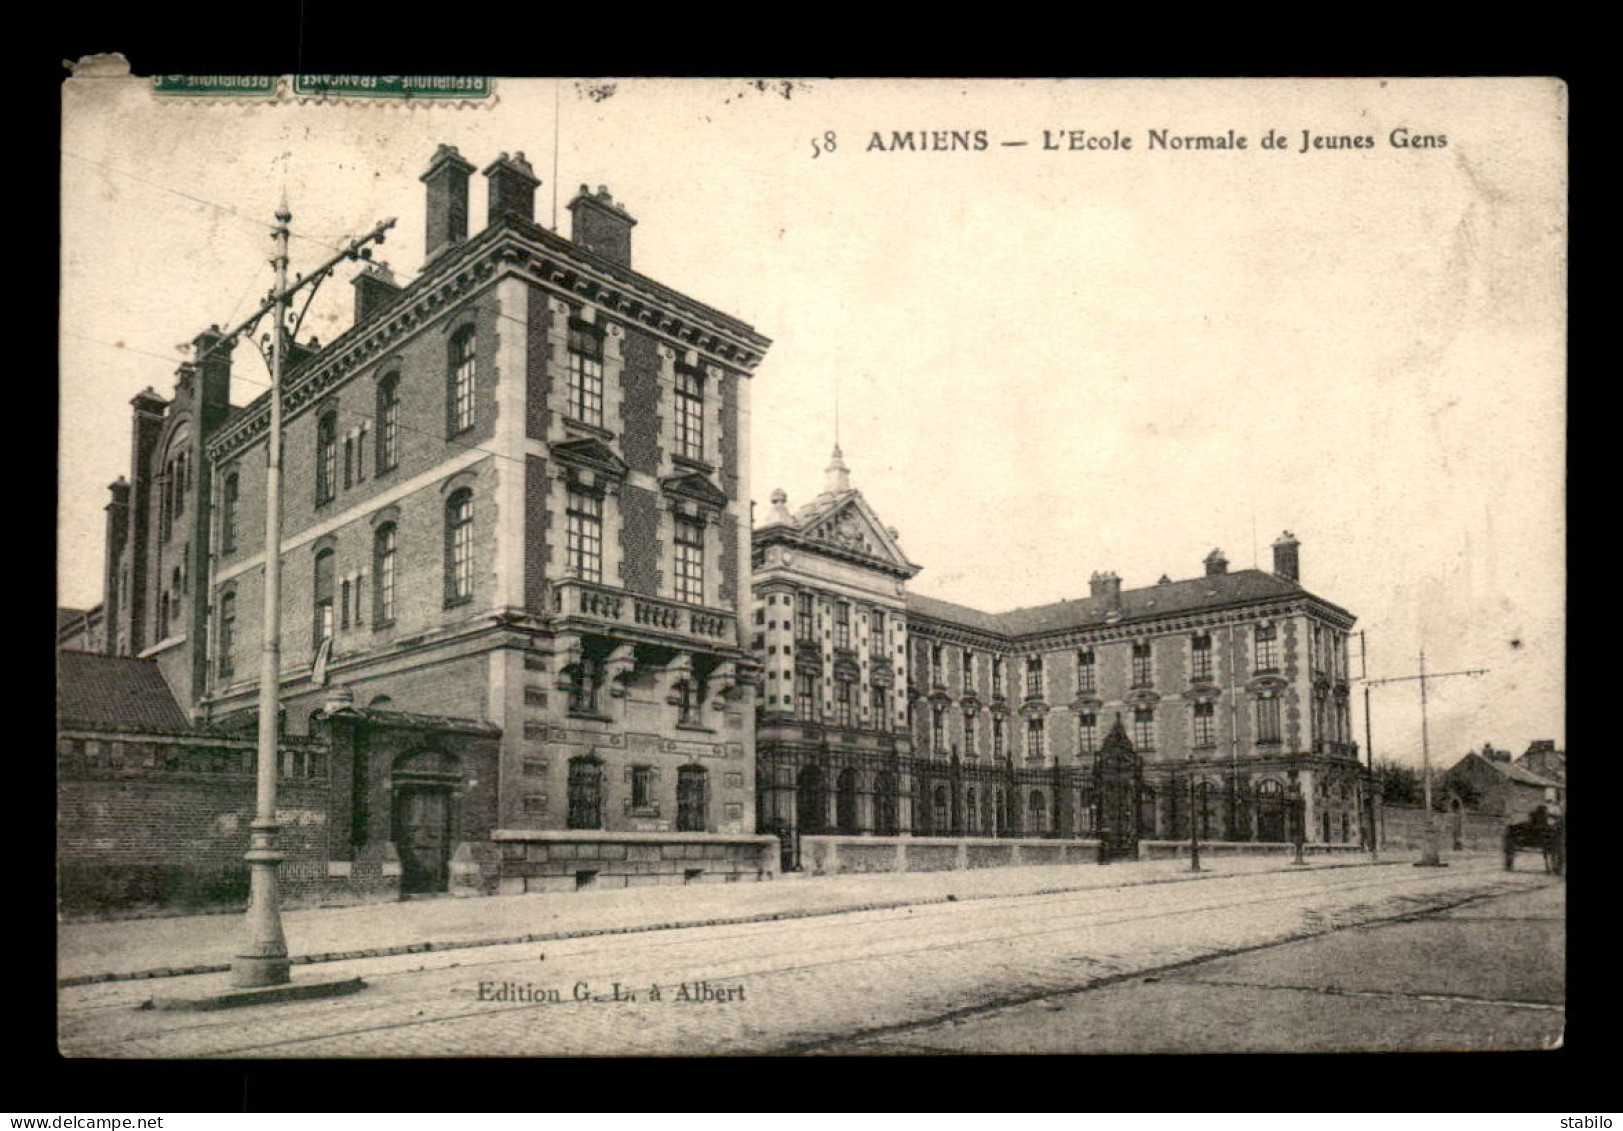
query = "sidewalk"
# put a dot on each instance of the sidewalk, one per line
(146, 948)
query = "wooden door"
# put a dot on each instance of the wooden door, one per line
(422, 836)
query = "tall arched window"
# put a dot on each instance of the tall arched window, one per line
(228, 514)
(326, 457)
(845, 801)
(1036, 813)
(388, 446)
(228, 634)
(692, 789)
(323, 624)
(885, 803)
(459, 385)
(383, 563)
(459, 546)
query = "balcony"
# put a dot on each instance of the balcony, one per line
(586, 606)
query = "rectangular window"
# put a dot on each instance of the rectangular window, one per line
(1034, 677)
(806, 697)
(881, 709)
(690, 560)
(583, 548)
(938, 667)
(343, 604)
(1087, 733)
(842, 625)
(228, 516)
(1144, 729)
(969, 670)
(969, 735)
(642, 787)
(1087, 672)
(459, 547)
(349, 461)
(878, 628)
(997, 737)
(938, 731)
(383, 551)
(997, 676)
(1200, 657)
(327, 458)
(588, 679)
(1266, 648)
(1143, 667)
(1204, 723)
(459, 402)
(1034, 740)
(805, 625)
(843, 702)
(1268, 719)
(586, 373)
(323, 588)
(689, 413)
(388, 449)
(228, 634)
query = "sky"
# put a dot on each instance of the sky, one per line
(1042, 360)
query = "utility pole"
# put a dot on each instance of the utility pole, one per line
(1430, 856)
(263, 959)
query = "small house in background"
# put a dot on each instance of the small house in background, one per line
(1491, 783)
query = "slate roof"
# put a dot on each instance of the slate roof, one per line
(96, 692)
(1519, 773)
(1214, 591)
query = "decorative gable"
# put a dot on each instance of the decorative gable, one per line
(692, 485)
(852, 526)
(590, 453)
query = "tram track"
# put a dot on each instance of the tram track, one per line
(842, 941)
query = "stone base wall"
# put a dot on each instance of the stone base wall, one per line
(1179, 849)
(581, 860)
(844, 855)
(1403, 827)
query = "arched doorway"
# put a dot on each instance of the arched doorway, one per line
(422, 817)
(885, 804)
(845, 802)
(1271, 812)
(811, 811)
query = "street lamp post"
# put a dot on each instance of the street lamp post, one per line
(262, 959)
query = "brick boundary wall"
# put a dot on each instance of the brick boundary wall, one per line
(1404, 827)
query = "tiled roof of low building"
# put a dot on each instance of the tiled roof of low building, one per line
(96, 692)
(1212, 591)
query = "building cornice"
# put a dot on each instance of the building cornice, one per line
(517, 248)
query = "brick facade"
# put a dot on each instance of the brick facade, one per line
(461, 499)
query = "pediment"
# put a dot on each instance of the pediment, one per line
(693, 485)
(590, 452)
(854, 527)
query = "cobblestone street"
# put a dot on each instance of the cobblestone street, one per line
(818, 984)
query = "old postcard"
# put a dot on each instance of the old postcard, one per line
(678, 567)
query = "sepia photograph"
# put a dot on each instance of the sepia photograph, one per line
(841, 567)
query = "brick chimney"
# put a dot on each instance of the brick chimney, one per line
(1216, 563)
(447, 181)
(601, 225)
(512, 188)
(212, 357)
(1287, 557)
(1106, 585)
(375, 291)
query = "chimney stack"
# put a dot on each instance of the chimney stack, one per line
(1287, 557)
(212, 358)
(1106, 585)
(1216, 563)
(375, 291)
(447, 181)
(601, 225)
(512, 189)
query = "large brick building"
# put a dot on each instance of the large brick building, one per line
(884, 711)
(515, 529)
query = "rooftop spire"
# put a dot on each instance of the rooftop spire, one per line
(839, 476)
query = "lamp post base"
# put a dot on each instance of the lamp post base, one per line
(263, 960)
